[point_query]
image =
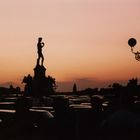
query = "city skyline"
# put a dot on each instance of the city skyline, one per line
(85, 41)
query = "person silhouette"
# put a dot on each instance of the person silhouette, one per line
(40, 45)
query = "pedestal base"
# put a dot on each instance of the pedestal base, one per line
(39, 72)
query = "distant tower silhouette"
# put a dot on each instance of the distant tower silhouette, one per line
(74, 88)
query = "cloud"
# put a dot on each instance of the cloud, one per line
(7, 84)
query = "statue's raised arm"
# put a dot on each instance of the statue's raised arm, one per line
(40, 45)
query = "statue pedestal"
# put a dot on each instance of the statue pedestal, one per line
(42, 85)
(39, 72)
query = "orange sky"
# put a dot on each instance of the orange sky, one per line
(83, 38)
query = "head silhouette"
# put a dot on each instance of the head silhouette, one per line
(39, 39)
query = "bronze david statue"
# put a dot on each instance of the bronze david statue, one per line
(40, 45)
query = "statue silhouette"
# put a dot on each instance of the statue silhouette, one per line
(40, 45)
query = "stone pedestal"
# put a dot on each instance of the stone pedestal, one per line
(39, 72)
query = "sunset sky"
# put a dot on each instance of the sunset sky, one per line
(85, 40)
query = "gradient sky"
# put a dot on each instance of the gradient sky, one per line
(85, 40)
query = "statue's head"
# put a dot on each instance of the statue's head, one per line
(39, 39)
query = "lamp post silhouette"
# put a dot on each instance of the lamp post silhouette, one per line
(132, 42)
